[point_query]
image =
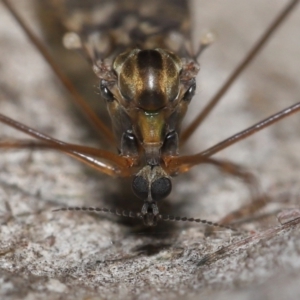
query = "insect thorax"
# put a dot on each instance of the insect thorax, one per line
(147, 77)
(148, 102)
(145, 67)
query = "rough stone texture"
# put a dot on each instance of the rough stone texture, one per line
(79, 256)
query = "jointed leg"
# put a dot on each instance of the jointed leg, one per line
(104, 161)
(259, 200)
(77, 98)
(238, 70)
(182, 164)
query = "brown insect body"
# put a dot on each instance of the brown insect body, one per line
(146, 86)
(147, 76)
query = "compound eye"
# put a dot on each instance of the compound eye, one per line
(189, 94)
(140, 187)
(161, 188)
(106, 93)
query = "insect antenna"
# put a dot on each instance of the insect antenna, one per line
(138, 215)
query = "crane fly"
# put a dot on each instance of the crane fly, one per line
(147, 68)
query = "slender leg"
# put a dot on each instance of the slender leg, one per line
(175, 165)
(182, 164)
(239, 172)
(77, 98)
(247, 210)
(114, 165)
(238, 70)
(98, 159)
(259, 200)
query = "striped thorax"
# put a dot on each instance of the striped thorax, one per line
(141, 52)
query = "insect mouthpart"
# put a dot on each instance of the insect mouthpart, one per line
(151, 184)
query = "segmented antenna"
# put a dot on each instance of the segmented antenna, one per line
(138, 215)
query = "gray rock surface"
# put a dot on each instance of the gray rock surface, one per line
(46, 255)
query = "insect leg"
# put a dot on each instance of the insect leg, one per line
(240, 172)
(77, 98)
(113, 164)
(182, 164)
(238, 70)
(259, 200)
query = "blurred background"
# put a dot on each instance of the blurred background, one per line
(29, 181)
